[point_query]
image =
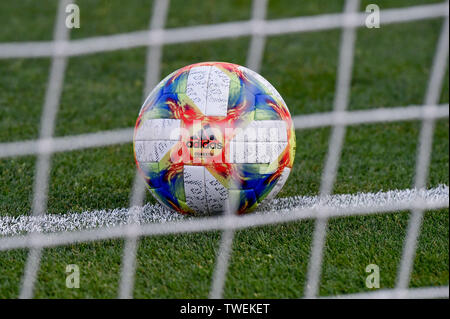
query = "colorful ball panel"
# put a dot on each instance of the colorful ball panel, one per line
(214, 135)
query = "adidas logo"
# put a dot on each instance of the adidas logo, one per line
(204, 139)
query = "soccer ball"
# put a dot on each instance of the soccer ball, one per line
(214, 136)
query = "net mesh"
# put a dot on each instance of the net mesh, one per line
(61, 49)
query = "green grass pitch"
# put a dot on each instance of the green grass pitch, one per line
(104, 91)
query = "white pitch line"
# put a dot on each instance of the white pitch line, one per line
(52, 223)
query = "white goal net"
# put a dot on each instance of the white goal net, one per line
(258, 28)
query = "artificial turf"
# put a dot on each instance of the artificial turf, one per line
(104, 91)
